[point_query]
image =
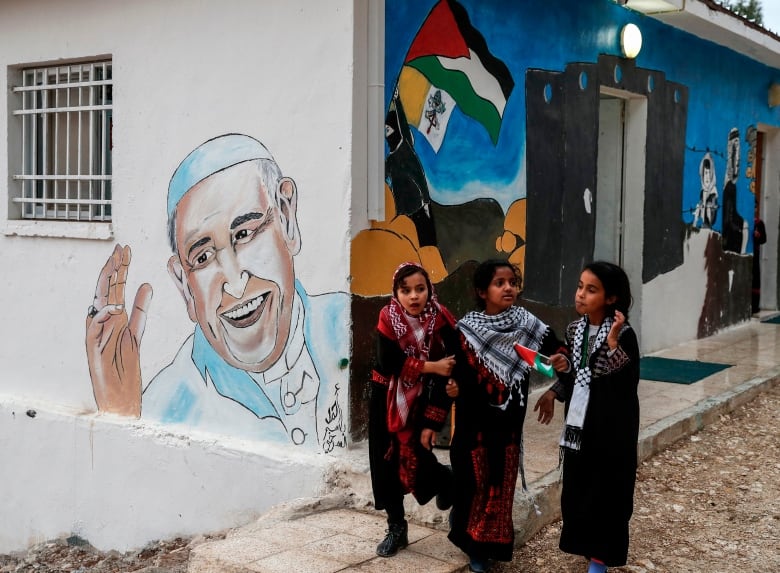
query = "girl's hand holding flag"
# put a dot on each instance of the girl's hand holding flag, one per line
(547, 365)
(560, 362)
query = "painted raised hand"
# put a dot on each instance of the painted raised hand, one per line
(113, 341)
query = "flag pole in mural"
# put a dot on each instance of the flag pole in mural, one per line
(535, 360)
(449, 64)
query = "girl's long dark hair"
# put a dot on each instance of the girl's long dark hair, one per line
(484, 274)
(408, 270)
(615, 282)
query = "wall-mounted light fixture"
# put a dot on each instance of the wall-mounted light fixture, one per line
(630, 40)
(774, 95)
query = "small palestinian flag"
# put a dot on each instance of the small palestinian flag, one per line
(449, 64)
(535, 360)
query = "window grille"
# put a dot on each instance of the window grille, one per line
(63, 124)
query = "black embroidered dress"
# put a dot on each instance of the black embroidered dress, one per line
(395, 468)
(486, 455)
(598, 480)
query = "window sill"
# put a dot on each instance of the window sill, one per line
(59, 229)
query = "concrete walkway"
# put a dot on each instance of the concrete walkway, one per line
(339, 531)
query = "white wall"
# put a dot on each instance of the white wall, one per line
(184, 72)
(672, 302)
(120, 485)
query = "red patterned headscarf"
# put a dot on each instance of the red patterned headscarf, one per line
(414, 335)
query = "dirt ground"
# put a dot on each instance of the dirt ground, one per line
(77, 556)
(710, 503)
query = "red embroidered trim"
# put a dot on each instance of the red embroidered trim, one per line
(407, 467)
(411, 370)
(496, 389)
(490, 515)
(435, 413)
(379, 379)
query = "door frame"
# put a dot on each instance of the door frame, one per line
(631, 257)
(770, 214)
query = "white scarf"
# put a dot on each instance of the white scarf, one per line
(578, 406)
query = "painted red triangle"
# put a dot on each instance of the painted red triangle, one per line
(439, 35)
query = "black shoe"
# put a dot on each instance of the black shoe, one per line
(395, 539)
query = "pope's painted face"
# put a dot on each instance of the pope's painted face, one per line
(234, 264)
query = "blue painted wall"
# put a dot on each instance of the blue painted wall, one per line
(726, 90)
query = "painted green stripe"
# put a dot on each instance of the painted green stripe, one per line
(457, 84)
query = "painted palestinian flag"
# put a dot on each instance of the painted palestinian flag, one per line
(449, 63)
(535, 360)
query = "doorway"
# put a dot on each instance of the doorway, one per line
(620, 188)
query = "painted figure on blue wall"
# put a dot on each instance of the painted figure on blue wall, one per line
(454, 186)
(448, 65)
(734, 226)
(707, 207)
(248, 370)
(406, 176)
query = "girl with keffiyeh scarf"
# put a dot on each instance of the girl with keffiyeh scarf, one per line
(486, 450)
(410, 398)
(598, 443)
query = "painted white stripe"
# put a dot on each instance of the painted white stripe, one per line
(435, 133)
(485, 84)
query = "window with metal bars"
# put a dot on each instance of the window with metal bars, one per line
(60, 144)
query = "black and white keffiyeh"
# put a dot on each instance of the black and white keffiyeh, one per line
(582, 350)
(492, 338)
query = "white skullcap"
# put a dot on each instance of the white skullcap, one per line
(211, 157)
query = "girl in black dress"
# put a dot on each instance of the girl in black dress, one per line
(599, 441)
(487, 447)
(410, 387)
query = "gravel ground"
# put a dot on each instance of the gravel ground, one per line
(710, 503)
(77, 556)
